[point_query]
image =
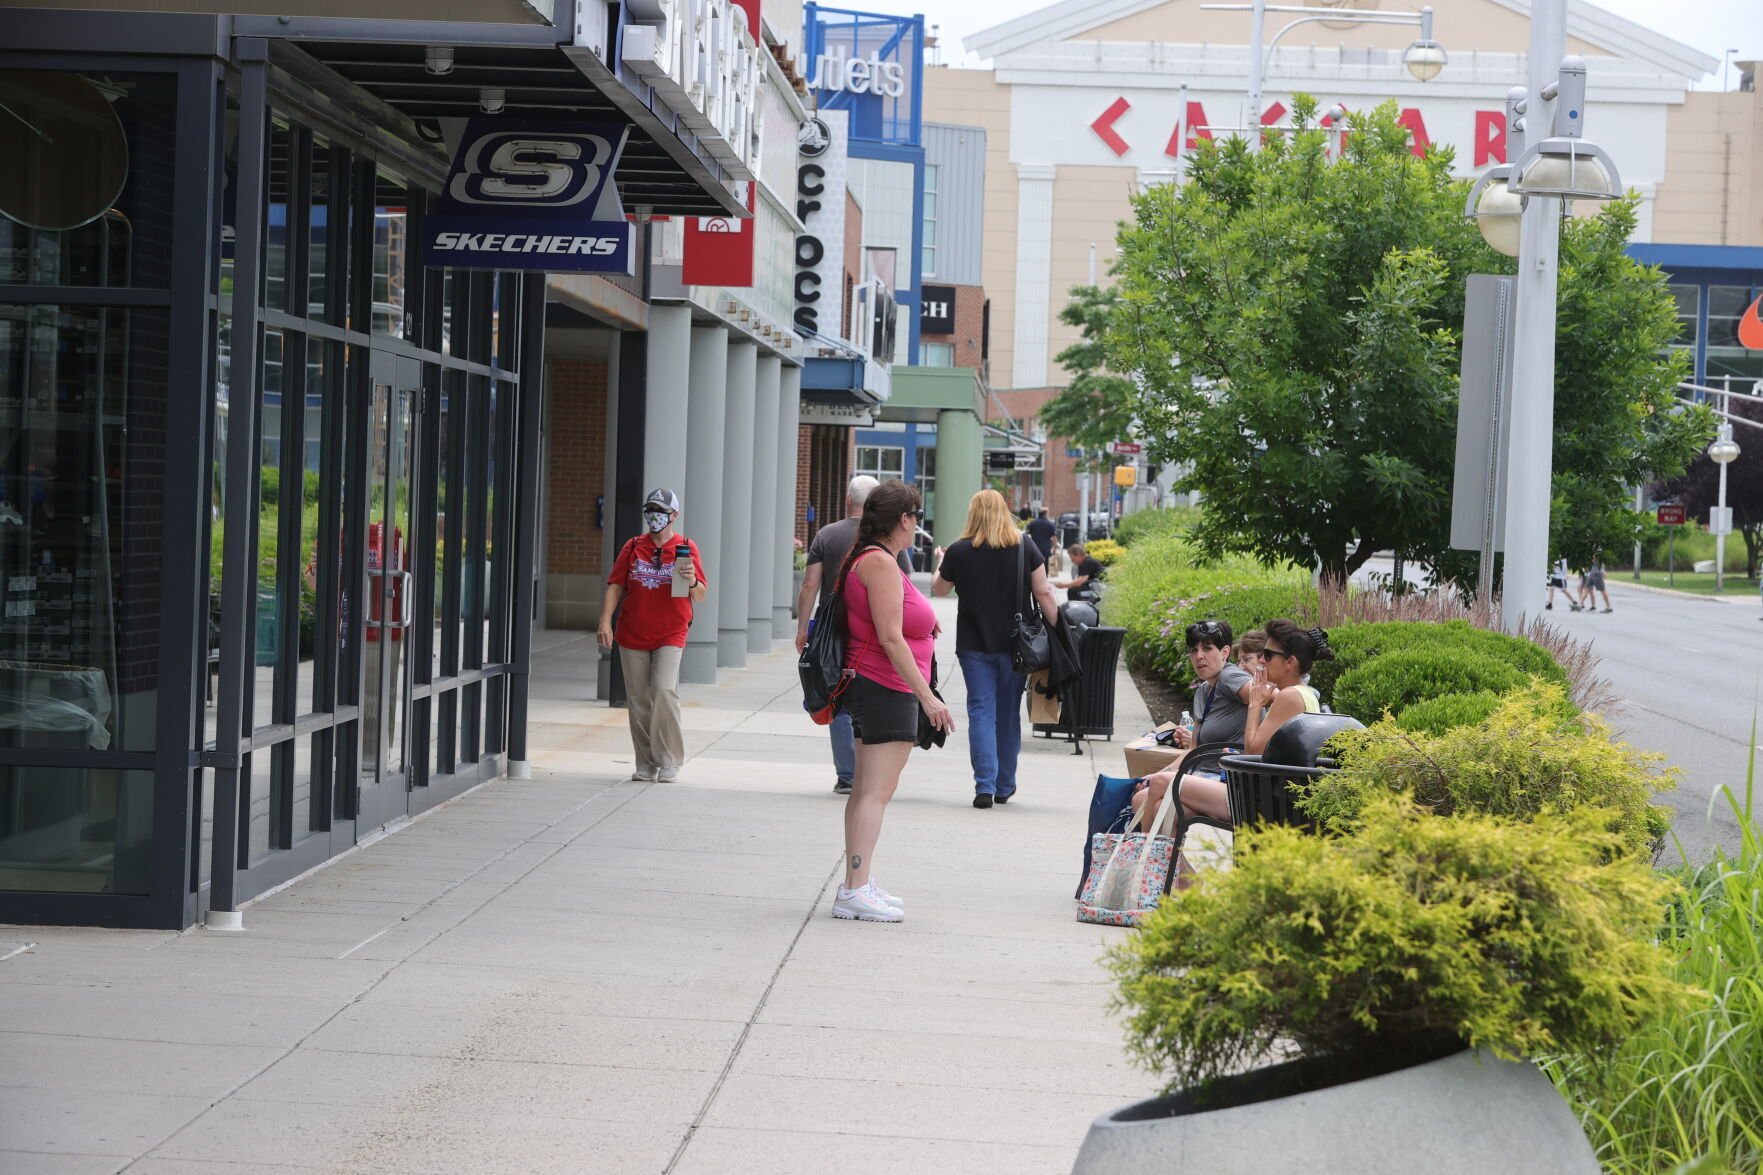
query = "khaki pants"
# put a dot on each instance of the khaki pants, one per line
(651, 682)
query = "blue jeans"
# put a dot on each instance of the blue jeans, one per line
(994, 720)
(844, 747)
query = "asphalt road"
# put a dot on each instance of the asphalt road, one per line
(1688, 673)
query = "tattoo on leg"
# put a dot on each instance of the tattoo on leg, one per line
(856, 862)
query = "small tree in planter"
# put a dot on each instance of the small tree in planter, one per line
(1393, 947)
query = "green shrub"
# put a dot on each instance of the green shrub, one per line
(1395, 680)
(1154, 586)
(1243, 607)
(1533, 753)
(1517, 937)
(1104, 551)
(1176, 520)
(1447, 712)
(1687, 1088)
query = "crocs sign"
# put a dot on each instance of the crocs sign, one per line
(532, 195)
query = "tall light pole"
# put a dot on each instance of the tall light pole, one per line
(1722, 451)
(1555, 163)
(1531, 453)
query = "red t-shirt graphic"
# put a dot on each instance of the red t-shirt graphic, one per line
(650, 616)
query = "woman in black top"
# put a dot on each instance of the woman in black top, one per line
(998, 576)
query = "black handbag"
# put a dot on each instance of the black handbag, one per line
(929, 735)
(822, 663)
(1030, 647)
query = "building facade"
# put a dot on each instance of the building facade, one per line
(1085, 104)
(259, 356)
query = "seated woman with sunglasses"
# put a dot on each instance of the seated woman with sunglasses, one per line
(1221, 701)
(1276, 694)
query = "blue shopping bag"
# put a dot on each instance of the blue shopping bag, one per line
(1110, 807)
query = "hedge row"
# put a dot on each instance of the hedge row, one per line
(1449, 674)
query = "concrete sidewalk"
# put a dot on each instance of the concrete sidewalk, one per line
(575, 973)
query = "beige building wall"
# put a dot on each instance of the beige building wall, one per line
(1088, 205)
(1713, 193)
(1491, 28)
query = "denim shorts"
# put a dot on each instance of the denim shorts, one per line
(879, 714)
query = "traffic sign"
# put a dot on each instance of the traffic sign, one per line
(1671, 516)
(1126, 448)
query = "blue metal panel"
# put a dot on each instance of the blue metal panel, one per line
(832, 375)
(897, 39)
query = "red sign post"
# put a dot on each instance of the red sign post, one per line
(1672, 516)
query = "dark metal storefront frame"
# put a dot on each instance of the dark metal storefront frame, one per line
(473, 703)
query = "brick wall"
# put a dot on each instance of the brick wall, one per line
(577, 477)
(969, 334)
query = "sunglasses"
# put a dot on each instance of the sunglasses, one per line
(1210, 631)
(1273, 652)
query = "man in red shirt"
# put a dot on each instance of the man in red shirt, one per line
(654, 587)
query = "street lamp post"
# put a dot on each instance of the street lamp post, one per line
(1553, 163)
(1425, 57)
(1722, 451)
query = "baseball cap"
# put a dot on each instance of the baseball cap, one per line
(664, 499)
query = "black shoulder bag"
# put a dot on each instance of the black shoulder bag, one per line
(1030, 647)
(822, 664)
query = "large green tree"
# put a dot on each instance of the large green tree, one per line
(1097, 407)
(1291, 324)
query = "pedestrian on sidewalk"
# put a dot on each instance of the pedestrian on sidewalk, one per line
(1000, 576)
(1041, 530)
(828, 550)
(890, 631)
(1558, 579)
(1592, 585)
(655, 585)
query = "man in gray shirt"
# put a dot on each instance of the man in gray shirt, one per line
(826, 555)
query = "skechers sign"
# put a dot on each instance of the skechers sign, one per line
(532, 195)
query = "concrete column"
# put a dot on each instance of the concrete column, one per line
(789, 412)
(737, 513)
(1034, 269)
(762, 499)
(960, 472)
(669, 351)
(706, 425)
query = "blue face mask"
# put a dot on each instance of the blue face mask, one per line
(656, 522)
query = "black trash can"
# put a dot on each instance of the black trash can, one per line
(1261, 786)
(1087, 709)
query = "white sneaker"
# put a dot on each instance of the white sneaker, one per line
(886, 897)
(865, 905)
(668, 774)
(641, 776)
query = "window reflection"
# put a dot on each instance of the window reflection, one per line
(391, 222)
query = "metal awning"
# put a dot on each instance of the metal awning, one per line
(664, 167)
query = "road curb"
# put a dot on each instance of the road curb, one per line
(1630, 585)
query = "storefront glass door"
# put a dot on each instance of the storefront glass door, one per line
(395, 397)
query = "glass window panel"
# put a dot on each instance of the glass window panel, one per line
(311, 483)
(82, 481)
(272, 498)
(1689, 299)
(94, 152)
(260, 800)
(446, 523)
(391, 221)
(1726, 304)
(930, 206)
(275, 261)
(447, 288)
(492, 556)
(319, 234)
(939, 354)
(76, 830)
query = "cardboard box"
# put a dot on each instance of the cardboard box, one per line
(1146, 756)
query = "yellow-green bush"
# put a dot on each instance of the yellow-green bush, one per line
(1534, 753)
(1104, 551)
(1521, 937)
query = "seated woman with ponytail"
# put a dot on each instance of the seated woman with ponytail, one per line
(1277, 695)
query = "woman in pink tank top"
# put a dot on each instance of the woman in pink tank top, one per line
(890, 628)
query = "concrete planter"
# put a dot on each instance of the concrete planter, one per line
(1466, 1112)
